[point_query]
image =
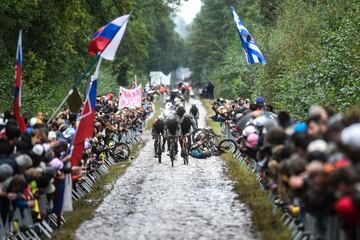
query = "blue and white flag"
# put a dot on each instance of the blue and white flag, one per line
(252, 51)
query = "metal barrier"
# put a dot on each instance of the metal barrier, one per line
(306, 227)
(20, 223)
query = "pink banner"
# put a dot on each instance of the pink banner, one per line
(130, 98)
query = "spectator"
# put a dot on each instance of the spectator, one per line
(34, 166)
(210, 90)
(313, 166)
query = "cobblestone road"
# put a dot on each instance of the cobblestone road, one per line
(157, 201)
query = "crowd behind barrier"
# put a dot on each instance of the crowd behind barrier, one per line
(310, 168)
(37, 181)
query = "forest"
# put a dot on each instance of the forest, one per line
(312, 50)
(56, 35)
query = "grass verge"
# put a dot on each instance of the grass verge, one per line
(85, 207)
(265, 221)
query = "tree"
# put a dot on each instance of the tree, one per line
(310, 46)
(55, 39)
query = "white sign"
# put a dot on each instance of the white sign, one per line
(130, 98)
(155, 78)
(158, 78)
(166, 80)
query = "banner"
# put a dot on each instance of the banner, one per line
(166, 80)
(158, 78)
(155, 78)
(130, 98)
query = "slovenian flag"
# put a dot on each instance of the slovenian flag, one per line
(17, 89)
(86, 126)
(107, 39)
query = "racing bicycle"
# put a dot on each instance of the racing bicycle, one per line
(185, 143)
(173, 139)
(158, 146)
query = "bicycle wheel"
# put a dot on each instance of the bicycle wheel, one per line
(186, 155)
(183, 150)
(228, 145)
(159, 149)
(172, 152)
(187, 150)
(211, 139)
(253, 165)
(121, 151)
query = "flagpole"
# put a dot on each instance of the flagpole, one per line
(61, 104)
(86, 71)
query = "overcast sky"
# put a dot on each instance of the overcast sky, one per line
(189, 9)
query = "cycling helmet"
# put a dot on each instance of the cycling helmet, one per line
(177, 101)
(168, 105)
(168, 114)
(187, 115)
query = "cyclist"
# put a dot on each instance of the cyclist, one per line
(200, 149)
(187, 123)
(180, 110)
(172, 128)
(185, 91)
(194, 111)
(174, 94)
(157, 131)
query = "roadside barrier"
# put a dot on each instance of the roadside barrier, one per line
(20, 222)
(305, 226)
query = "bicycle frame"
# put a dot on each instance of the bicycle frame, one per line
(185, 142)
(173, 141)
(158, 146)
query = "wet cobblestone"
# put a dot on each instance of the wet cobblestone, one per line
(157, 201)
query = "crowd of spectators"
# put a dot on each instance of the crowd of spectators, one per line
(35, 165)
(312, 165)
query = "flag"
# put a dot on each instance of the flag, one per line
(17, 89)
(107, 39)
(74, 100)
(252, 51)
(86, 126)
